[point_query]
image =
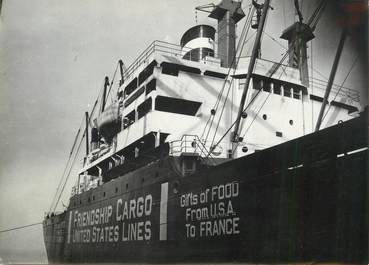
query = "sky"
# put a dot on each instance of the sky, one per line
(54, 56)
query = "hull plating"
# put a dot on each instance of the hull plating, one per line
(304, 200)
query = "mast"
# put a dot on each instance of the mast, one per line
(86, 131)
(121, 68)
(254, 55)
(103, 102)
(331, 77)
(255, 25)
(298, 35)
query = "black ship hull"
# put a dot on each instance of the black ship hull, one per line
(304, 200)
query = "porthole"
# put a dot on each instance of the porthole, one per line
(291, 122)
(264, 116)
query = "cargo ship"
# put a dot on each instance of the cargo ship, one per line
(203, 155)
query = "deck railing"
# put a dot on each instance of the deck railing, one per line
(191, 144)
(166, 48)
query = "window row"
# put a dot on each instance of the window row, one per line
(168, 69)
(166, 104)
(151, 86)
(279, 88)
(136, 82)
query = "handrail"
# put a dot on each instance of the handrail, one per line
(184, 145)
(338, 89)
(160, 47)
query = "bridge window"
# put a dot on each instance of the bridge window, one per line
(177, 105)
(129, 119)
(286, 91)
(151, 86)
(215, 74)
(149, 70)
(277, 88)
(173, 69)
(267, 86)
(169, 69)
(144, 108)
(130, 87)
(257, 83)
(134, 96)
(296, 93)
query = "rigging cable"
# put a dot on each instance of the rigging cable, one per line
(70, 169)
(75, 156)
(229, 88)
(72, 150)
(311, 80)
(112, 81)
(273, 39)
(272, 72)
(349, 72)
(66, 166)
(315, 17)
(284, 14)
(314, 21)
(216, 105)
(243, 43)
(297, 7)
(256, 114)
(19, 227)
(239, 50)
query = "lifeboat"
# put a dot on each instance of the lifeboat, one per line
(108, 122)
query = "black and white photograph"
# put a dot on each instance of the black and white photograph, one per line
(184, 132)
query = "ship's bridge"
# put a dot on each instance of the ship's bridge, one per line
(169, 93)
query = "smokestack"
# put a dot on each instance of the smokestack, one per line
(228, 13)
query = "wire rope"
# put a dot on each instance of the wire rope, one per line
(343, 82)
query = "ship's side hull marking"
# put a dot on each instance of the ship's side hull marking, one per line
(163, 211)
